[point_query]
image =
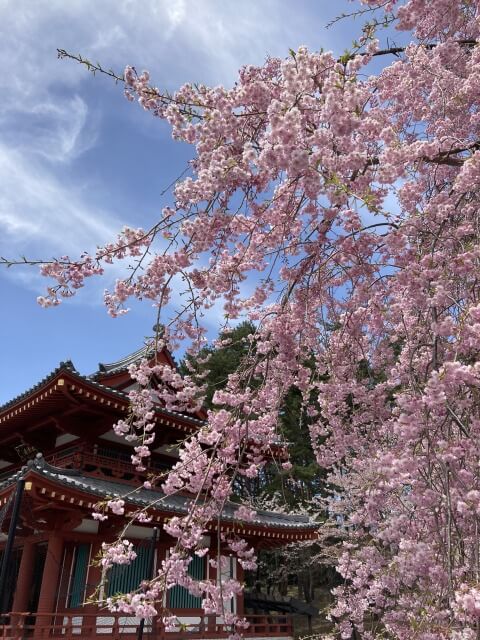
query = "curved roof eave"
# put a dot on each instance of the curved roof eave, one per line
(298, 526)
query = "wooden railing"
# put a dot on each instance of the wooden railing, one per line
(78, 458)
(117, 467)
(73, 625)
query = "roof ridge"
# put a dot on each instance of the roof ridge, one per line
(63, 365)
(123, 363)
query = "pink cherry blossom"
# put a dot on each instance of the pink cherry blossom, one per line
(339, 211)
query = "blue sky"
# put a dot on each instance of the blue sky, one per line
(77, 161)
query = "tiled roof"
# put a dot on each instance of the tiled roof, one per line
(147, 351)
(124, 363)
(122, 394)
(63, 366)
(102, 489)
(69, 367)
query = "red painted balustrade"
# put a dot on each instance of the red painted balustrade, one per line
(73, 626)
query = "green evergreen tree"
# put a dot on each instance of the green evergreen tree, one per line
(293, 571)
(222, 361)
(295, 487)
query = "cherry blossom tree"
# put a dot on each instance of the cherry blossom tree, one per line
(339, 212)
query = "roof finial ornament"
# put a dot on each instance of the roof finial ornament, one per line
(38, 461)
(158, 329)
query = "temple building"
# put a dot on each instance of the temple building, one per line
(59, 457)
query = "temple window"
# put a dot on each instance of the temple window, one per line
(181, 598)
(80, 562)
(123, 578)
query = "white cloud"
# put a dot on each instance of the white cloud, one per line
(48, 118)
(57, 131)
(38, 212)
(205, 40)
(42, 218)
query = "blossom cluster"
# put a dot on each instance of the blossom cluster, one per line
(351, 202)
(121, 552)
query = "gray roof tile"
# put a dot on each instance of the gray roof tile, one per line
(101, 489)
(123, 363)
(69, 367)
(63, 366)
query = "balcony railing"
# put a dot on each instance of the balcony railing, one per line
(103, 462)
(107, 466)
(72, 625)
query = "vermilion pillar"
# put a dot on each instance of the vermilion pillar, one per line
(24, 580)
(240, 598)
(48, 590)
(211, 619)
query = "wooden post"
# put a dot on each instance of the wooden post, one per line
(240, 598)
(151, 567)
(48, 590)
(8, 551)
(24, 580)
(212, 575)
